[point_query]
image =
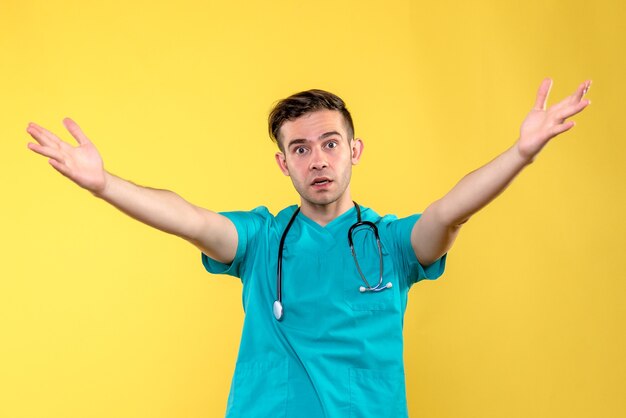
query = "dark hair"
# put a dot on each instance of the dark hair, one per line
(304, 102)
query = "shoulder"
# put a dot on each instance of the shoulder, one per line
(260, 216)
(387, 220)
(286, 213)
(391, 228)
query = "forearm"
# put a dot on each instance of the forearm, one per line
(161, 209)
(212, 233)
(480, 187)
(436, 230)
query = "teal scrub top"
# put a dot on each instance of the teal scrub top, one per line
(336, 352)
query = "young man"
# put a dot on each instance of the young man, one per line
(325, 284)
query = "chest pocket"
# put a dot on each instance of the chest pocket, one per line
(368, 257)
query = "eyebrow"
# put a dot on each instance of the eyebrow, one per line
(304, 140)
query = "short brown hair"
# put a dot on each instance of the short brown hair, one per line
(304, 102)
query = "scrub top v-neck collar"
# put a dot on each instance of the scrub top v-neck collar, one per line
(331, 228)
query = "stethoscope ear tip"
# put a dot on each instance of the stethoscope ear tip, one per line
(388, 286)
(362, 289)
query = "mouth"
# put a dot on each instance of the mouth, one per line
(321, 181)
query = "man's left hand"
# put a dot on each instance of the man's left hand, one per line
(543, 124)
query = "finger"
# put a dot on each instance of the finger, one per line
(565, 126)
(565, 105)
(587, 86)
(580, 92)
(573, 109)
(542, 94)
(75, 130)
(46, 134)
(61, 168)
(39, 134)
(46, 151)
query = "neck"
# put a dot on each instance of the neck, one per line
(323, 214)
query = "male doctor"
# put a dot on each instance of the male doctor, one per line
(325, 283)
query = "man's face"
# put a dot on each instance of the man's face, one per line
(318, 156)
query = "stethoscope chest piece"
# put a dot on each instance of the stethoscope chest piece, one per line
(278, 310)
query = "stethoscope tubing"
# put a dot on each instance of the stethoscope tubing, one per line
(278, 303)
(279, 272)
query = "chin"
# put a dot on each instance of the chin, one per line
(322, 200)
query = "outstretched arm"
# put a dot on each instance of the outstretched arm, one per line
(435, 232)
(212, 233)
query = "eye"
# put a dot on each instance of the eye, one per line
(300, 150)
(332, 144)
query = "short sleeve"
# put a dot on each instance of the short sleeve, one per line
(400, 231)
(248, 225)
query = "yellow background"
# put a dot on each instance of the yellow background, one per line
(101, 316)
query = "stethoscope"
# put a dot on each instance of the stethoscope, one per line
(278, 303)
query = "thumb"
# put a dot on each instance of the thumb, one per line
(542, 94)
(75, 130)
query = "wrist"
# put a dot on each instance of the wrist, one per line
(101, 190)
(522, 157)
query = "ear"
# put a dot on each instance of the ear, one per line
(282, 163)
(356, 146)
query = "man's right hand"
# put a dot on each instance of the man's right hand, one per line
(212, 233)
(82, 164)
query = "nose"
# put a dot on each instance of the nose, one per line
(318, 160)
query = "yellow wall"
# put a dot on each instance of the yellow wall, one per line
(103, 317)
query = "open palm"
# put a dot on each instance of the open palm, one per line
(543, 124)
(81, 164)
